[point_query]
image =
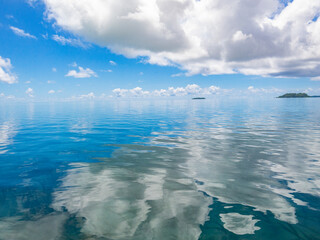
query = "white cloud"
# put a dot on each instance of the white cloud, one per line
(52, 92)
(69, 41)
(138, 92)
(50, 82)
(29, 92)
(82, 73)
(191, 89)
(179, 91)
(212, 90)
(240, 36)
(160, 93)
(196, 91)
(315, 78)
(202, 37)
(252, 89)
(177, 75)
(112, 63)
(54, 69)
(22, 33)
(90, 95)
(120, 92)
(5, 71)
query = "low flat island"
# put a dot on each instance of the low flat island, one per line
(198, 98)
(296, 95)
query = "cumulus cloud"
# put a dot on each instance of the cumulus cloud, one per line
(112, 63)
(135, 92)
(196, 90)
(21, 33)
(88, 96)
(191, 89)
(259, 37)
(252, 89)
(29, 92)
(5, 71)
(82, 73)
(52, 92)
(120, 92)
(69, 41)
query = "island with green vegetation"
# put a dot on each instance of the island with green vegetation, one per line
(296, 95)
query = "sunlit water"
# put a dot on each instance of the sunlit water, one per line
(160, 169)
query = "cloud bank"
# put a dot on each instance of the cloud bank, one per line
(259, 37)
(5, 71)
(191, 89)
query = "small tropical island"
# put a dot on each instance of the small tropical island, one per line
(296, 95)
(198, 98)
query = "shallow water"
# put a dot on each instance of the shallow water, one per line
(165, 169)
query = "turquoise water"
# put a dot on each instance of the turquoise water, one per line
(165, 169)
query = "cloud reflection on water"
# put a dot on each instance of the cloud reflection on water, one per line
(150, 200)
(169, 170)
(7, 132)
(49, 227)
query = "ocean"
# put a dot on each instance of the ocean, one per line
(160, 169)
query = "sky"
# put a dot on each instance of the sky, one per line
(101, 49)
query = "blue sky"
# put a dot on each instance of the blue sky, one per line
(40, 63)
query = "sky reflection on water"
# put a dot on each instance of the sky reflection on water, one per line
(161, 170)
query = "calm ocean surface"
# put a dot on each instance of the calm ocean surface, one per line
(160, 169)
